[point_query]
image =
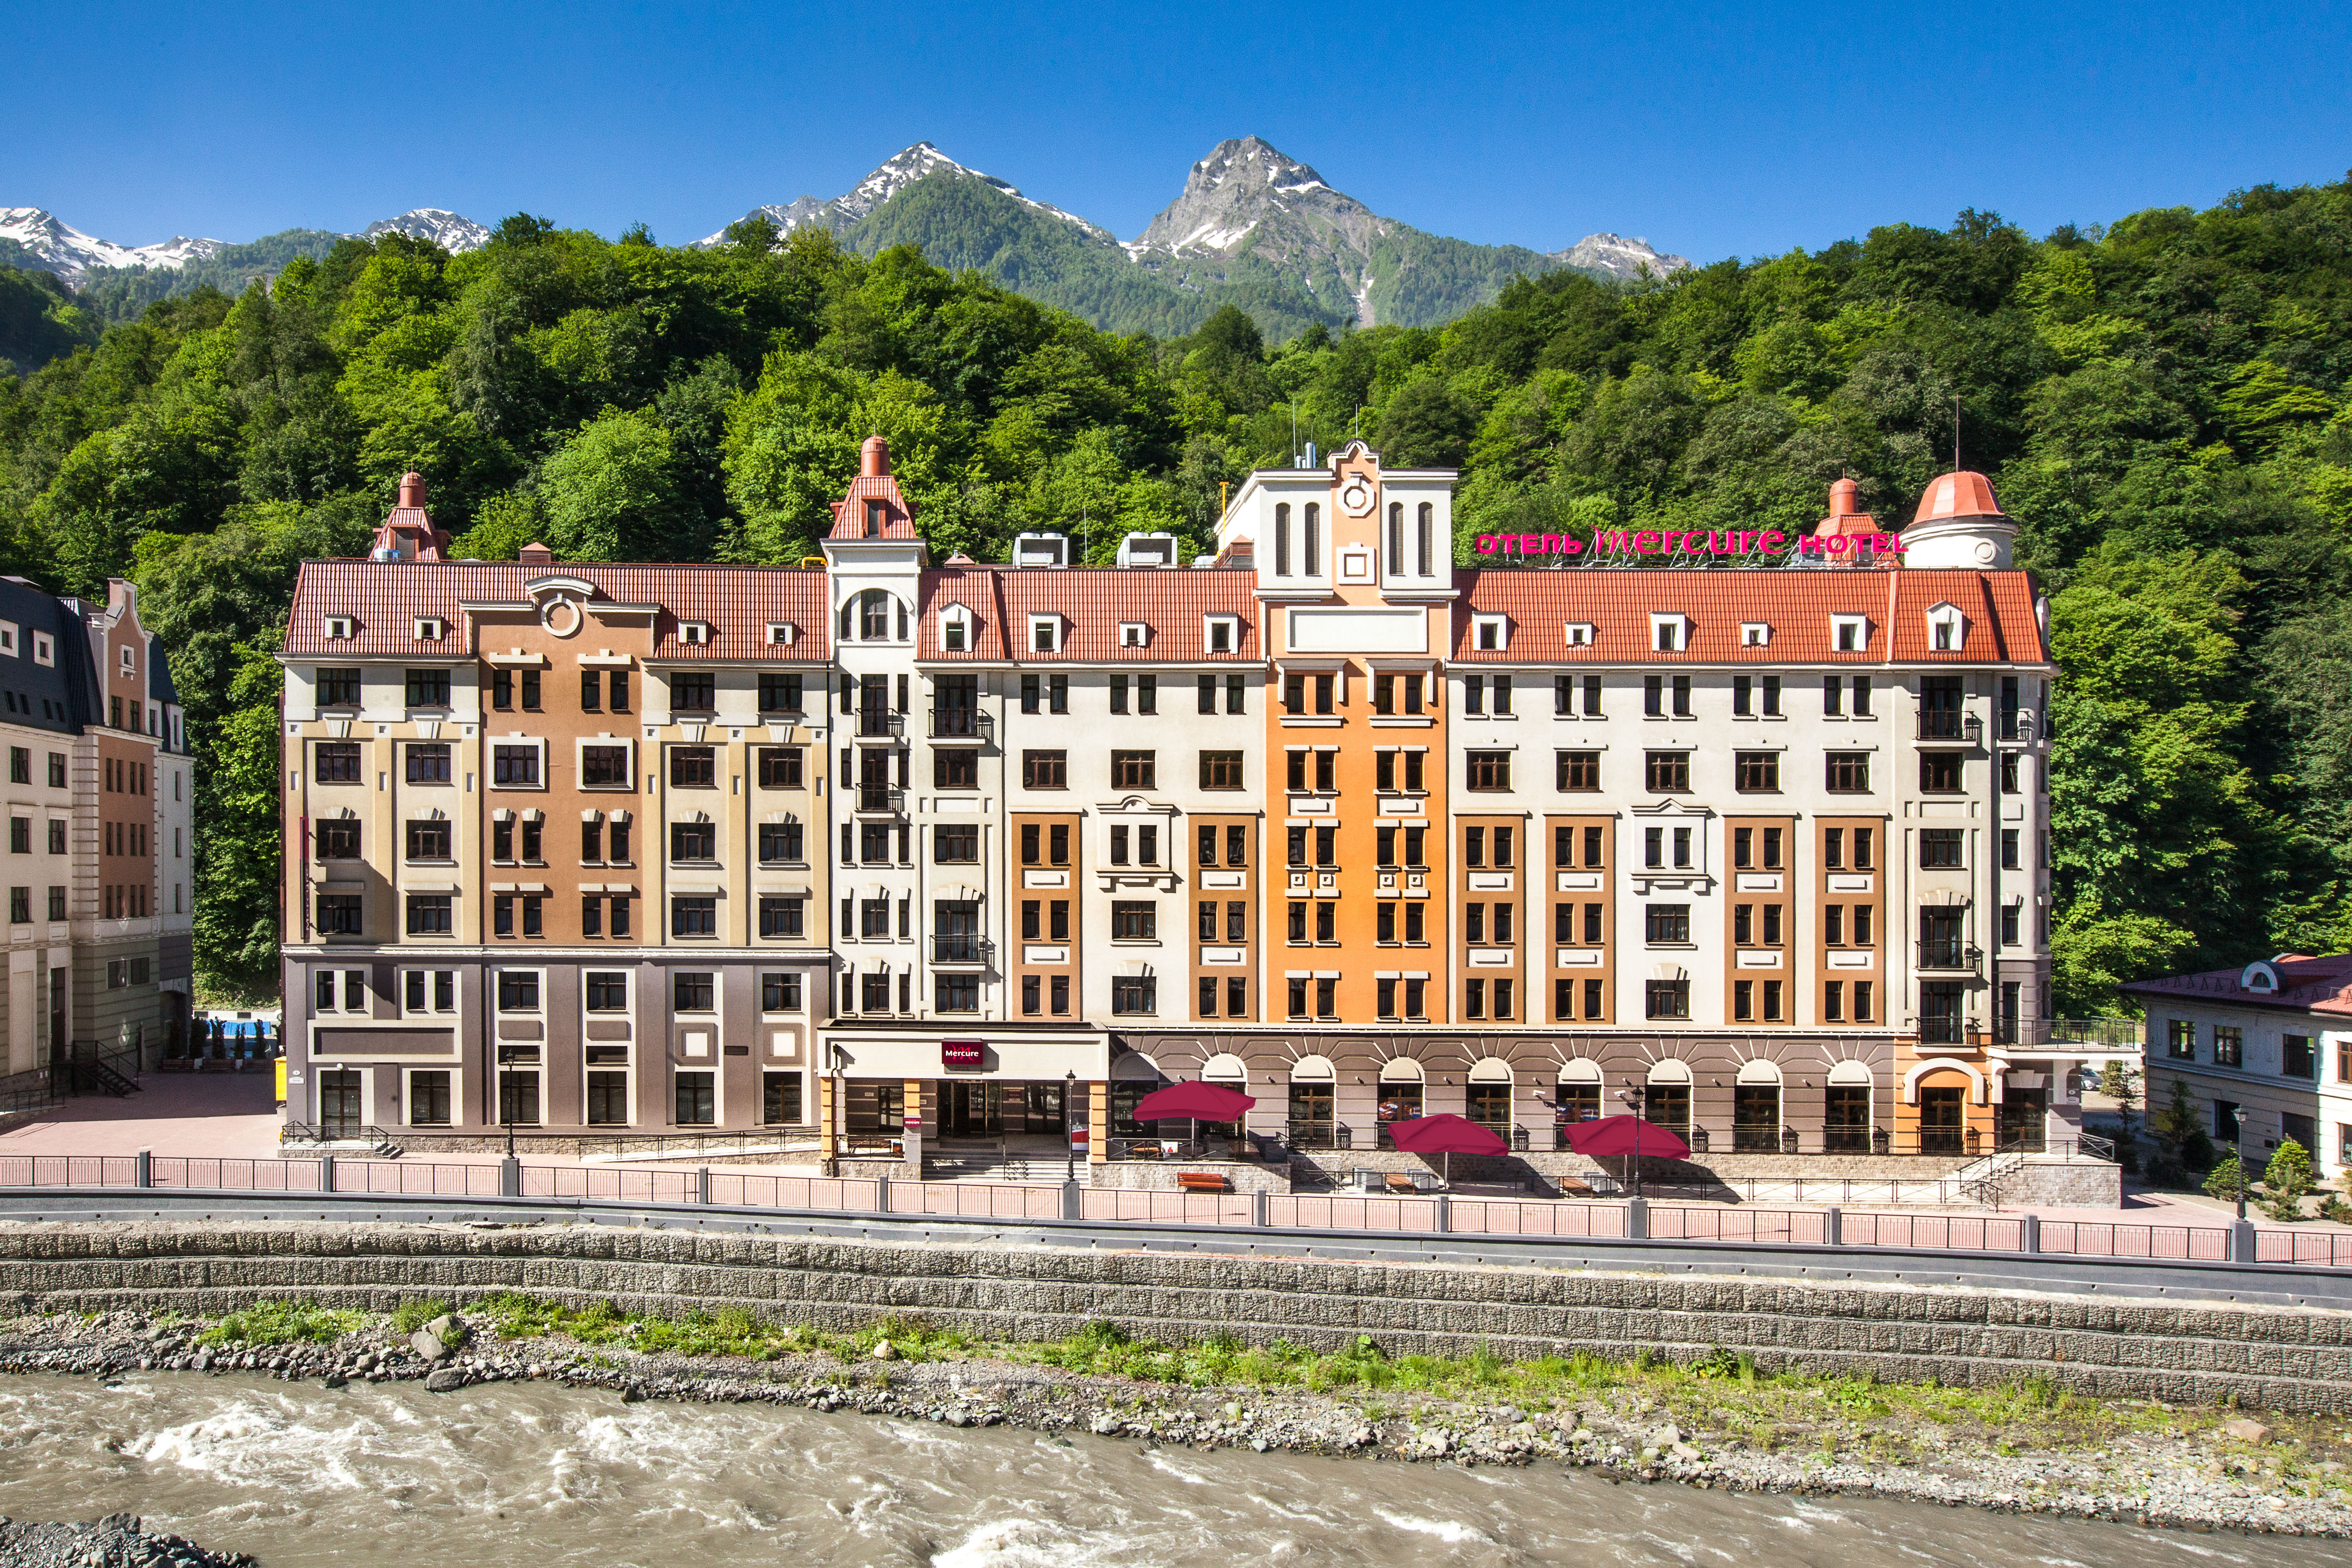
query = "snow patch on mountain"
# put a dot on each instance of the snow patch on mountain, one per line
(447, 229)
(71, 254)
(1619, 258)
(920, 161)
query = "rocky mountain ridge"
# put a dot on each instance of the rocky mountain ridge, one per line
(55, 246)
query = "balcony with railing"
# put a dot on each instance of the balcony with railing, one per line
(881, 797)
(1943, 1031)
(1949, 952)
(962, 948)
(880, 724)
(1950, 727)
(976, 725)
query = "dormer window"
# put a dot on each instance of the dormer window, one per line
(8, 638)
(1755, 634)
(875, 514)
(337, 628)
(1490, 633)
(1578, 634)
(1669, 634)
(1044, 634)
(1134, 633)
(781, 633)
(694, 634)
(1850, 634)
(128, 659)
(955, 629)
(45, 647)
(1220, 634)
(428, 629)
(1947, 628)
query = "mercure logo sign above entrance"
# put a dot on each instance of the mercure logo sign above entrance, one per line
(1694, 542)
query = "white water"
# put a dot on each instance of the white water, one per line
(533, 1474)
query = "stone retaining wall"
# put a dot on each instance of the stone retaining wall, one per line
(2270, 1358)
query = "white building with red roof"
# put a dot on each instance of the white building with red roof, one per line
(2272, 1041)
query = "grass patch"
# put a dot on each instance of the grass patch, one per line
(283, 1323)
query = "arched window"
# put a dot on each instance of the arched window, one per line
(1396, 537)
(1314, 1103)
(1578, 1098)
(1667, 1095)
(1282, 540)
(1488, 1095)
(1428, 527)
(1314, 532)
(1756, 1107)
(1401, 1082)
(1846, 1110)
(873, 614)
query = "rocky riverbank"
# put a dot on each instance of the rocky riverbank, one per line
(1714, 1426)
(118, 1540)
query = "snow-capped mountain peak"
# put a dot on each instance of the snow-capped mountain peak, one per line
(71, 254)
(1242, 184)
(1619, 256)
(893, 175)
(445, 228)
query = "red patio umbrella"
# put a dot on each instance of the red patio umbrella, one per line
(1197, 1101)
(1446, 1134)
(1616, 1135)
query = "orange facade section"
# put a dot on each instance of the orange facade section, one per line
(1228, 862)
(1046, 972)
(1760, 960)
(1583, 919)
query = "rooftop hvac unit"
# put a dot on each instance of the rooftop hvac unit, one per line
(1148, 550)
(1041, 550)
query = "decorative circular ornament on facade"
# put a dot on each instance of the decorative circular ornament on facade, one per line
(1356, 497)
(560, 616)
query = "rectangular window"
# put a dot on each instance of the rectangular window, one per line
(1119, 694)
(1939, 773)
(1220, 770)
(696, 1100)
(693, 767)
(2229, 1046)
(1665, 998)
(604, 767)
(1667, 922)
(336, 761)
(694, 841)
(1133, 769)
(1849, 772)
(780, 1099)
(695, 690)
(428, 915)
(1134, 920)
(339, 914)
(514, 765)
(784, 842)
(428, 688)
(1667, 773)
(1044, 769)
(1578, 771)
(956, 843)
(781, 694)
(428, 762)
(693, 916)
(2009, 849)
(2180, 1039)
(1134, 994)
(1489, 770)
(1940, 848)
(781, 767)
(782, 917)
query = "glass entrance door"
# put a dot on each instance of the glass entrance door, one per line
(1942, 1116)
(972, 1110)
(341, 1114)
(2023, 1112)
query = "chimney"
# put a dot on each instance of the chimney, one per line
(535, 554)
(874, 457)
(1845, 499)
(412, 491)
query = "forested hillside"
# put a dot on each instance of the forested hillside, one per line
(2162, 404)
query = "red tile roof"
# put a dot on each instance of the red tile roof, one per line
(2318, 984)
(1093, 602)
(384, 599)
(1797, 603)
(850, 512)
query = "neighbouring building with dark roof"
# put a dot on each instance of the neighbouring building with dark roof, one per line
(2272, 1040)
(902, 851)
(96, 869)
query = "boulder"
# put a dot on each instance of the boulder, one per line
(2246, 1431)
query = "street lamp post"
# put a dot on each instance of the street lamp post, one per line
(1069, 1149)
(2238, 1153)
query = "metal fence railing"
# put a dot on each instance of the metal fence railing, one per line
(1710, 1224)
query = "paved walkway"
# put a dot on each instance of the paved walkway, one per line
(231, 1116)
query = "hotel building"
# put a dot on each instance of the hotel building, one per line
(96, 869)
(905, 850)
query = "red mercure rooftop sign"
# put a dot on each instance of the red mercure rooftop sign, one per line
(1692, 542)
(960, 1053)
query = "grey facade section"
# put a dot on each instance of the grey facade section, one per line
(2270, 1358)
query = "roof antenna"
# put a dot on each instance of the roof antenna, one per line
(1956, 432)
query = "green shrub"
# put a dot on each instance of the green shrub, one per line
(283, 1322)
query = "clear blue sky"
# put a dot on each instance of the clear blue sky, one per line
(1737, 129)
